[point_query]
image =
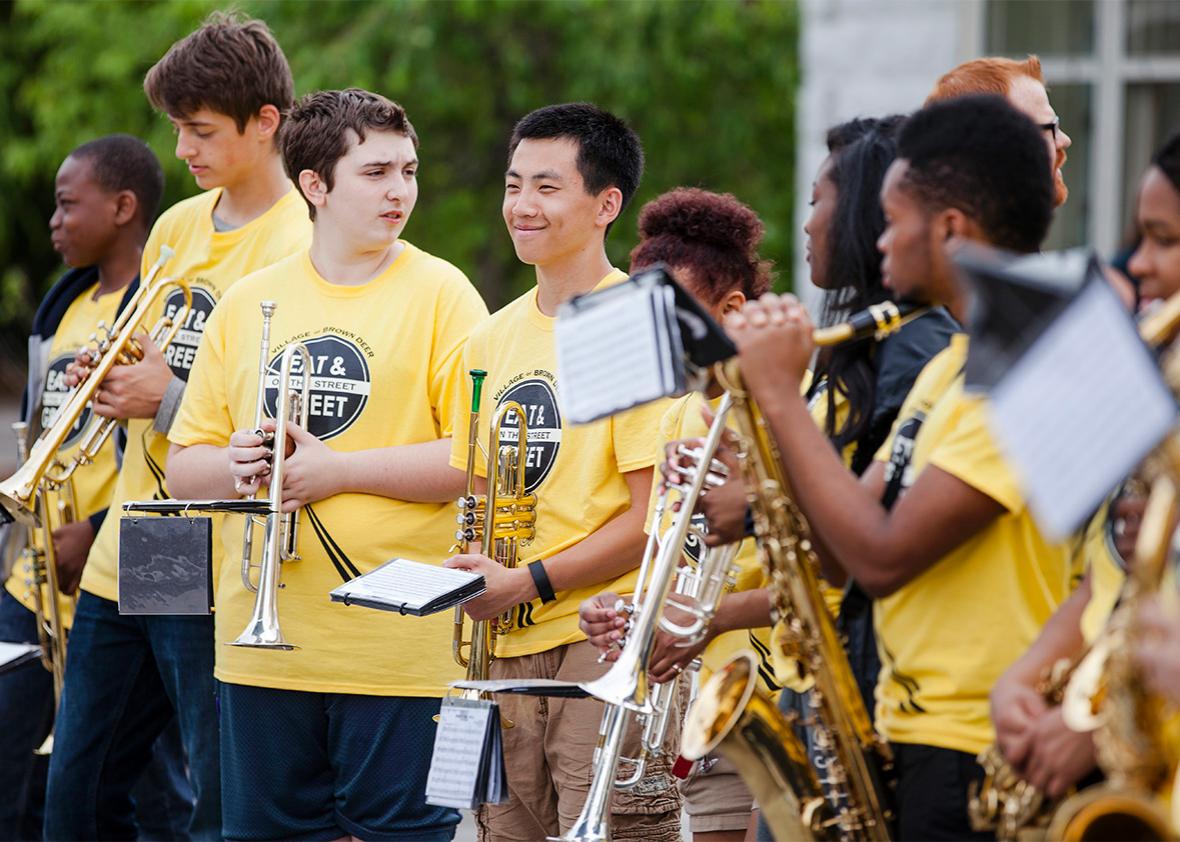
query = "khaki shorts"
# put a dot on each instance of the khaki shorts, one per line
(549, 751)
(717, 799)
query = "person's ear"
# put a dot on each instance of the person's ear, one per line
(731, 302)
(126, 207)
(954, 224)
(610, 205)
(313, 187)
(268, 119)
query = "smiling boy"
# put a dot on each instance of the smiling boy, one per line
(572, 170)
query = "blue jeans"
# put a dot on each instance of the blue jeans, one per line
(127, 680)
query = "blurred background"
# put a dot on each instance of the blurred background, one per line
(731, 95)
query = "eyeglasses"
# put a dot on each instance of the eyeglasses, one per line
(1052, 127)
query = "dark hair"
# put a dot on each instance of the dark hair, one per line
(1167, 158)
(713, 234)
(231, 65)
(861, 150)
(121, 162)
(317, 132)
(984, 157)
(609, 151)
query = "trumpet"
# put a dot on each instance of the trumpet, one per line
(280, 538)
(503, 521)
(115, 345)
(625, 687)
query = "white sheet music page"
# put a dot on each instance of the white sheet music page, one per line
(17, 653)
(458, 753)
(404, 582)
(609, 357)
(1080, 410)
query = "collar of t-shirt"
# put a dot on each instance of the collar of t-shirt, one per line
(546, 323)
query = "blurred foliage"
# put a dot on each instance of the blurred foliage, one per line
(708, 84)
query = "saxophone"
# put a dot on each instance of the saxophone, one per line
(1099, 690)
(1135, 732)
(848, 798)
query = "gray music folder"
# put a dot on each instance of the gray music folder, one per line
(165, 565)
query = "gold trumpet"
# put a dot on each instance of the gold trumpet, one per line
(115, 345)
(280, 538)
(503, 520)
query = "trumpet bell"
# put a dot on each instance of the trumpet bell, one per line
(261, 636)
(16, 500)
(624, 684)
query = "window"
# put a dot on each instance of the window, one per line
(1113, 71)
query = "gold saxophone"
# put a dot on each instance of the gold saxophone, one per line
(848, 799)
(1012, 807)
(1135, 732)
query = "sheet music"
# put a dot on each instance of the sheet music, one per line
(459, 755)
(14, 654)
(609, 356)
(1080, 410)
(404, 582)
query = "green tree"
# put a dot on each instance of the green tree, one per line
(708, 84)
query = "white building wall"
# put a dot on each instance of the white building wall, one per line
(869, 58)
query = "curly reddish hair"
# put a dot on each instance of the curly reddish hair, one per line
(712, 234)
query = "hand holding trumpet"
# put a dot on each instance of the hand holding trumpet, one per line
(311, 471)
(128, 391)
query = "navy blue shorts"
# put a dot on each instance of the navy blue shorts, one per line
(298, 765)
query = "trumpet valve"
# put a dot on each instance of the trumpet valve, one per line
(471, 502)
(468, 535)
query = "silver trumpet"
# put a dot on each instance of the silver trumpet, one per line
(281, 533)
(625, 687)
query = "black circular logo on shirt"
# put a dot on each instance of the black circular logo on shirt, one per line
(539, 402)
(340, 384)
(183, 350)
(54, 395)
(692, 542)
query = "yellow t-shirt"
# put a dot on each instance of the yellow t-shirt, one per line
(210, 261)
(946, 636)
(386, 356)
(683, 420)
(575, 470)
(93, 483)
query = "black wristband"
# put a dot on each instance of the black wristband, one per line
(541, 580)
